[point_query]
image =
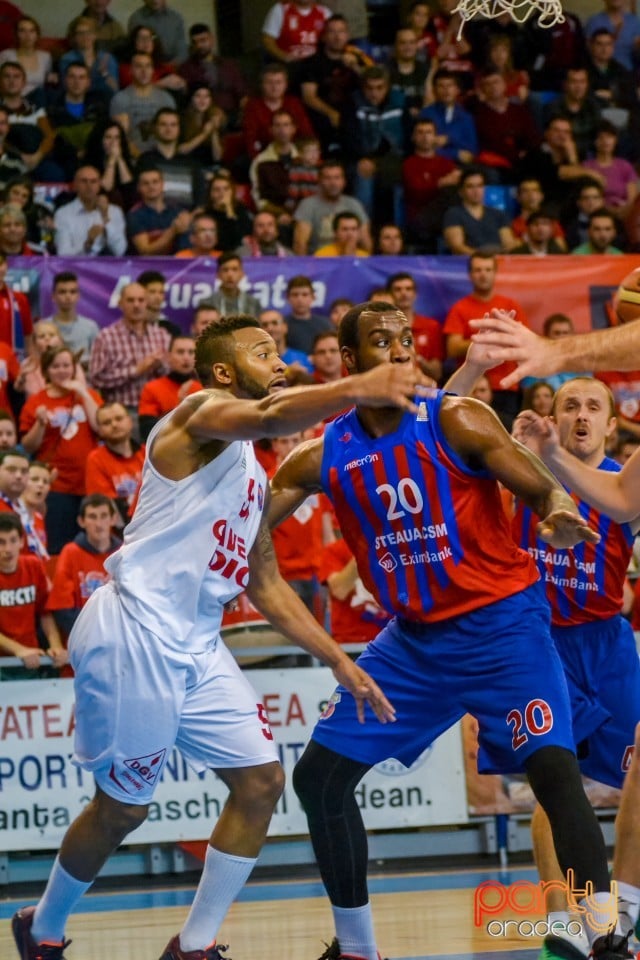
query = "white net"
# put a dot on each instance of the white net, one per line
(549, 12)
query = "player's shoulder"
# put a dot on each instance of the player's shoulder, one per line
(303, 466)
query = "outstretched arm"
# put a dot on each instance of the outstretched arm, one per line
(274, 598)
(616, 348)
(224, 417)
(477, 435)
(615, 494)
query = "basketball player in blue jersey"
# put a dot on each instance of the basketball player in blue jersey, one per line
(418, 503)
(596, 644)
(151, 670)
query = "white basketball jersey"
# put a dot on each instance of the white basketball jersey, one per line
(185, 551)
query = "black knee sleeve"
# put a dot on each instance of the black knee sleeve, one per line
(325, 782)
(554, 776)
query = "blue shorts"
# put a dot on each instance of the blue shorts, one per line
(602, 668)
(498, 663)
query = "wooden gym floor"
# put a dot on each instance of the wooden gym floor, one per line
(418, 916)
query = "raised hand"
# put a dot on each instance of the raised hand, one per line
(536, 433)
(364, 690)
(506, 339)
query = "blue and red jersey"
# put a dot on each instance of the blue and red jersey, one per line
(429, 533)
(586, 582)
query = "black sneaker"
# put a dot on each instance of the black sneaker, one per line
(27, 946)
(613, 946)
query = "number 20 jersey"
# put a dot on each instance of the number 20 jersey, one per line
(429, 533)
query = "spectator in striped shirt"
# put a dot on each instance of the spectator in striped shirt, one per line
(128, 353)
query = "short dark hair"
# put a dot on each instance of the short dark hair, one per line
(9, 522)
(197, 28)
(13, 452)
(142, 172)
(226, 258)
(324, 335)
(481, 254)
(555, 318)
(215, 343)
(298, 281)
(65, 276)
(96, 500)
(165, 110)
(344, 215)
(374, 72)
(601, 215)
(148, 277)
(403, 275)
(472, 172)
(348, 331)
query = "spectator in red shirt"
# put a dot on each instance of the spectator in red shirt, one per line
(291, 31)
(163, 394)
(115, 467)
(355, 615)
(425, 176)
(34, 500)
(9, 372)
(259, 111)
(16, 325)
(481, 300)
(427, 332)
(14, 478)
(23, 597)
(80, 567)
(59, 424)
(299, 539)
(326, 358)
(8, 431)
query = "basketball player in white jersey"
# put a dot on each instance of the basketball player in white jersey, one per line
(151, 669)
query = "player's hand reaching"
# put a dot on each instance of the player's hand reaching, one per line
(538, 434)
(364, 690)
(566, 528)
(506, 339)
(392, 385)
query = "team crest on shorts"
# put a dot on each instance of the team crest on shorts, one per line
(147, 768)
(331, 705)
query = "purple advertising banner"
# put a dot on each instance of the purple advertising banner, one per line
(441, 281)
(580, 287)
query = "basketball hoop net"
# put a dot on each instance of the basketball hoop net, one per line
(549, 11)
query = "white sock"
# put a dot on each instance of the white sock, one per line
(601, 914)
(354, 930)
(58, 900)
(558, 916)
(223, 877)
(631, 897)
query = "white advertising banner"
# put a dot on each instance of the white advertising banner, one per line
(42, 791)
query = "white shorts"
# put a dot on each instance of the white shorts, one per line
(136, 699)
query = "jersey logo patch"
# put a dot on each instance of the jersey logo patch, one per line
(147, 768)
(388, 562)
(422, 413)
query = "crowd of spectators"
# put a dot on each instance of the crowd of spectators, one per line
(508, 139)
(321, 121)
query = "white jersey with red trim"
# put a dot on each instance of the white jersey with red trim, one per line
(185, 552)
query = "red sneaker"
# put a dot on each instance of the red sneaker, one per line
(27, 947)
(173, 951)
